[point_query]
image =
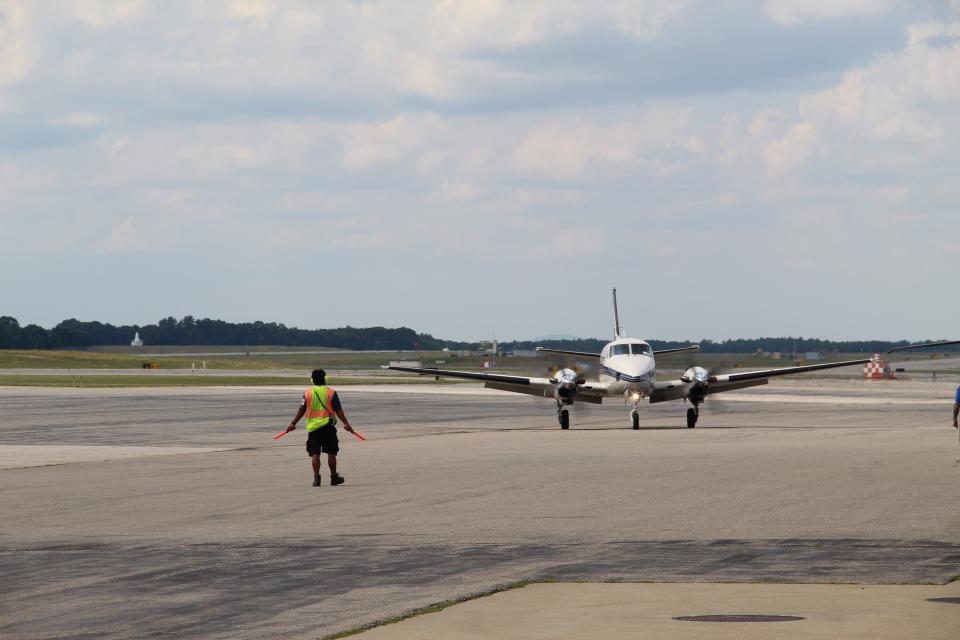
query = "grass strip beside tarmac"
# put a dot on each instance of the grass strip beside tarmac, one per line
(278, 359)
(189, 381)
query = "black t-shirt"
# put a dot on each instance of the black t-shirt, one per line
(336, 403)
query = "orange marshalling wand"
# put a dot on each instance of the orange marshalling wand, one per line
(282, 433)
(358, 435)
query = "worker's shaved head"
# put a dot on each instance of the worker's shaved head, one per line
(319, 376)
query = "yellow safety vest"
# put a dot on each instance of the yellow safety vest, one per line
(319, 407)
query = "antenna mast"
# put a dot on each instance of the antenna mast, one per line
(616, 316)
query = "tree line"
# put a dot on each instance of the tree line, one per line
(189, 331)
(207, 332)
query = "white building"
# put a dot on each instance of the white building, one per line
(489, 348)
(416, 364)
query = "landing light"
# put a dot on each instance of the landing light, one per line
(634, 396)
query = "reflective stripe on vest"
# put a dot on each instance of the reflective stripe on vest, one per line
(319, 407)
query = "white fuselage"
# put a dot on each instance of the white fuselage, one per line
(628, 367)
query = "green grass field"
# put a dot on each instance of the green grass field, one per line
(28, 380)
(38, 359)
(27, 359)
(278, 359)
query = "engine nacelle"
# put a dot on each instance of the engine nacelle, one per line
(565, 381)
(695, 374)
(698, 384)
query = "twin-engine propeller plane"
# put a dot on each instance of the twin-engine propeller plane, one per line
(627, 369)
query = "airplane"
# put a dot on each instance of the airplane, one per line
(627, 369)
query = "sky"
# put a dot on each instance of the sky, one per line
(485, 169)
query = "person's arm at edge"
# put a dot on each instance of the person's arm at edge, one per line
(293, 423)
(956, 406)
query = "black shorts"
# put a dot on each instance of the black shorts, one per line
(322, 440)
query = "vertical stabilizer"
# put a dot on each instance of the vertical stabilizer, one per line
(616, 317)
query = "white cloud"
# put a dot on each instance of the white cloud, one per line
(902, 109)
(557, 151)
(924, 31)
(18, 46)
(425, 133)
(125, 236)
(78, 119)
(105, 13)
(259, 10)
(342, 49)
(17, 179)
(793, 149)
(372, 145)
(501, 24)
(644, 21)
(645, 141)
(458, 191)
(576, 244)
(431, 49)
(792, 12)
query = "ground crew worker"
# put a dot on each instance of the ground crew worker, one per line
(956, 407)
(321, 405)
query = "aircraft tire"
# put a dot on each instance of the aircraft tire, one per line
(564, 419)
(691, 418)
(635, 420)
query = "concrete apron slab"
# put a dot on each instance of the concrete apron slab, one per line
(21, 456)
(615, 611)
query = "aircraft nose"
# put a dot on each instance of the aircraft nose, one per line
(648, 364)
(642, 366)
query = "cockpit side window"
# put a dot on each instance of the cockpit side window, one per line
(640, 349)
(620, 350)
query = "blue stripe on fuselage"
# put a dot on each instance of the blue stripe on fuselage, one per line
(620, 376)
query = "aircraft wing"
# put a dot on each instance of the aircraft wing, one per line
(782, 371)
(592, 392)
(521, 382)
(925, 345)
(693, 347)
(676, 389)
(582, 354)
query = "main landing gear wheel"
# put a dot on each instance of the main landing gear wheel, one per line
(564, 417)
(692, 415)
(635, 420)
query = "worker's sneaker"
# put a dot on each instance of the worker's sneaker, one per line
(316, 481)
(336, 479)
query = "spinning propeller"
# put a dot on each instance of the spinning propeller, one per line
(699, 379)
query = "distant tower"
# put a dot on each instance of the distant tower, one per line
(136, 342)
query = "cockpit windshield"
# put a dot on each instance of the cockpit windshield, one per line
(640, 349)
(636, 348)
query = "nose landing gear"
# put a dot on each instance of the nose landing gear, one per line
(692, 414)
(563, 417)
(634, 413)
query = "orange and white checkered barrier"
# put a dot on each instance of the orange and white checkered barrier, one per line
(877, 369)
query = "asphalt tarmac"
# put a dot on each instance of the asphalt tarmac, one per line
(456, 492)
